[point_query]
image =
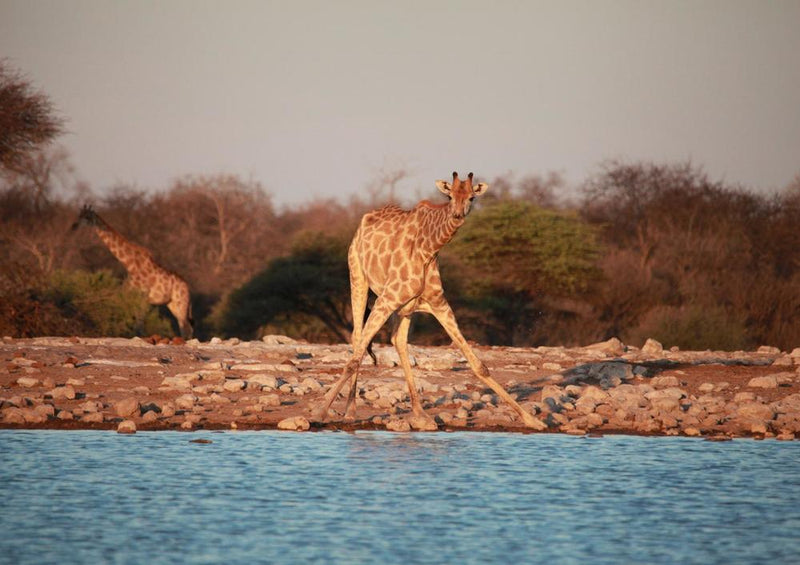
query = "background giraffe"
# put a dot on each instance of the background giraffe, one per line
(395, 253)
(160, 285)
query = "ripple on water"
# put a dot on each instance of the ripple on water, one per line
(369, 497)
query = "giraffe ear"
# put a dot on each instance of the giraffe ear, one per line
(480, 188)
(443, 186)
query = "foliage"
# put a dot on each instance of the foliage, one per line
(103, 304)
(80, 302)
(528, 249)
(27, 119)
(513, 258)
(312, 281)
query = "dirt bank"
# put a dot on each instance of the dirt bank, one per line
(83, 383)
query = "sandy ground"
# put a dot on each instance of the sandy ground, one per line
(87, 383)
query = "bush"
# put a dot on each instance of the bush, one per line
(101, 305)
(692, 328)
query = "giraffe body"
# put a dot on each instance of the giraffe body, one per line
(395, 253)
(161, 286)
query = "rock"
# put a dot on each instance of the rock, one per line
(441, 362)
(126, 427)
(182, 381)
(585, 405)
(262, 380)
(767, 381)
(269, 400)
(93, 418)
(612, 346)
(126, 407)
(65, 415)
(691, 431)
(296, 423)
(12, 415)
(311, 384)
(149, 416)
(706, 387)
(652, 347)
(67, 392)
(754, 411)
(27, 382)
(185, 402)
(278, 367)
(398, 426)
(664, 381)
(783, 361)
(234, 385)
(594, 393)
(278, 340)
(768, 349)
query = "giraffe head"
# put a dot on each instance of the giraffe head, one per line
(461, 194)
(87, 216)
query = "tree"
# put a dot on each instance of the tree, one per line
(312, 281)
(518, 262)
(27, 119)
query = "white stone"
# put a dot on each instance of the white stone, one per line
(665, 381)
(234, 385)
(398, 426)
(27, 382)
(296, 423)
(126, 427)
(262, 380)
(766, 381)
(652, 347)
(126, 407)
(185, 401)
(67, 392)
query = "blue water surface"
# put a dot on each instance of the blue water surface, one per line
(376, 497)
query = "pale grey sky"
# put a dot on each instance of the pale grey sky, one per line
(314, 98)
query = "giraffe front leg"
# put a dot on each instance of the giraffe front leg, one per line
(444, 314)
(380, 313)
(420, 420)
(181, 312)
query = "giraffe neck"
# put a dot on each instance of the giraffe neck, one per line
(437, 227)
(120, 247)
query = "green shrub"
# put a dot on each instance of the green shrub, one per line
(101, 304)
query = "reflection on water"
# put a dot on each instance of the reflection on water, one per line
(373, 497)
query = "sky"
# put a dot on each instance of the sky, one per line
(319, 98)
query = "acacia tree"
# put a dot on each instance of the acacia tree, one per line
(521, 264)
(28, 120)
(311, 282)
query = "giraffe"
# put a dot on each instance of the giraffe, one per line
(395, 253)
(161, 286)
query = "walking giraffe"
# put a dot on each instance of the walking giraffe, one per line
(395, 253)
(160, 285)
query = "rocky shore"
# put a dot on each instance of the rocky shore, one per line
(136, 384)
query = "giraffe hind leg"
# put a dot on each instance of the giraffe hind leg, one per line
(444, 314)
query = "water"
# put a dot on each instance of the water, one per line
(374, 497)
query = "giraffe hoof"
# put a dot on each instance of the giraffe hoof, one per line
(319, 414)
(533, 423)
(423, 423)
